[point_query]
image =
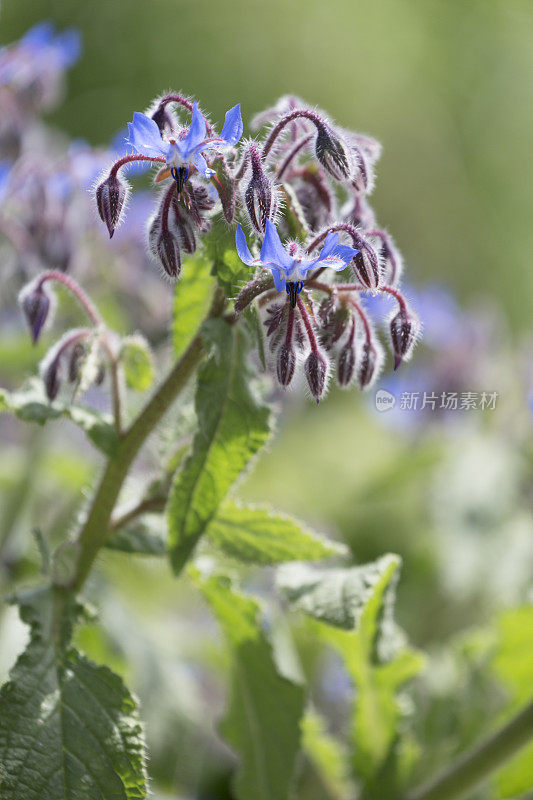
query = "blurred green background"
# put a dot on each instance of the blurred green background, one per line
(446, 85)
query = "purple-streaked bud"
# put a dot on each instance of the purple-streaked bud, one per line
(391, 259)
(110, 196)
(404, 330)
(336, 325)
(366, 266)
(163, 119)
(346, 360)
(52, 378)
(184, 228)
(225, 186)
(276, 313)
(316, 370)
(286, 363)
(333, 154)
(368, 366)
(362, 177)
(35, 301)
(258, 195)
(76, 357)
(168, 252)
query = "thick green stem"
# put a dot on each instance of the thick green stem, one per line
(476, 766)
(96, 525)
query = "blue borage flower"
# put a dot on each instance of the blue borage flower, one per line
(41, 48)
(145, 138)
(290, 266)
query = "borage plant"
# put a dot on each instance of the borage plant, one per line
(290, 295)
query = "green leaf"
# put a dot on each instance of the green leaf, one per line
(328, 756)
(259, 536)
(336, 596)
(137, 361)
(262, 720)
(69, 729)
(513, 665)
(355, 610)
(146, 537)
(232, 427)
(31, 405)
(191, 301)
(229, 270)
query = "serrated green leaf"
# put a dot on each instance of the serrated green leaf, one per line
(262, 720)
(232, 427)
(191, 301)
(336, 596)
(328, 756)
(355, 610)
(137, 361)
(31, 405)
(259, 536)
(69, 729)
(145, 537)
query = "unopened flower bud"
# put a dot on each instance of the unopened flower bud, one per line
(369, 363)
(404, 330)
(362, 177)
(346, 360)
(36, 302)
(168, 252)
(316, 370)
(258, 194)
(52, 378)
(391, 259)
(286, 363)
(110, 196)
(366, 266)
(335, 326)
(333, 154)
(184, 228)
(76, 357)
(225, 185)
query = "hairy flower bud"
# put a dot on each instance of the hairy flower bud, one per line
(362, 178)
(52, 378)
(110, 196)
(225, 185)
(76, 357)
(168, 252)
(36, 302)
(346, 359)
(369, 363)
(286, 363)
(258, 195)
(336, 325)
(333, 154)
(390, 257)
(184, 228)
(404, 330)
(366, 266)
(316, 370)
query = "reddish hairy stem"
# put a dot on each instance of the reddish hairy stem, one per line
(341, 226)
(183, 101)
(308, 327)
(396, 294)
(127, 159)
(292, 155)
(83, 299)
(300, 112)
(364, 318)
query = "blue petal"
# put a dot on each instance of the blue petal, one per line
(332, 262)
(272, 251)
(200, 163)
(68, 47)
(329, 244)
(279, 282)
(145, 138)
(343, 252)
(243, 250)
(41, 35)
(196, 133)
(232, 130)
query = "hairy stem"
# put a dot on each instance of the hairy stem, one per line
(476, 766)
(96, 525)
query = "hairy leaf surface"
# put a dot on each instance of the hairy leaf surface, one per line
(69, 729)
(232, 427)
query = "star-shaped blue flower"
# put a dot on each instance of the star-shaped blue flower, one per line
(145, 138)
(292, 266)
